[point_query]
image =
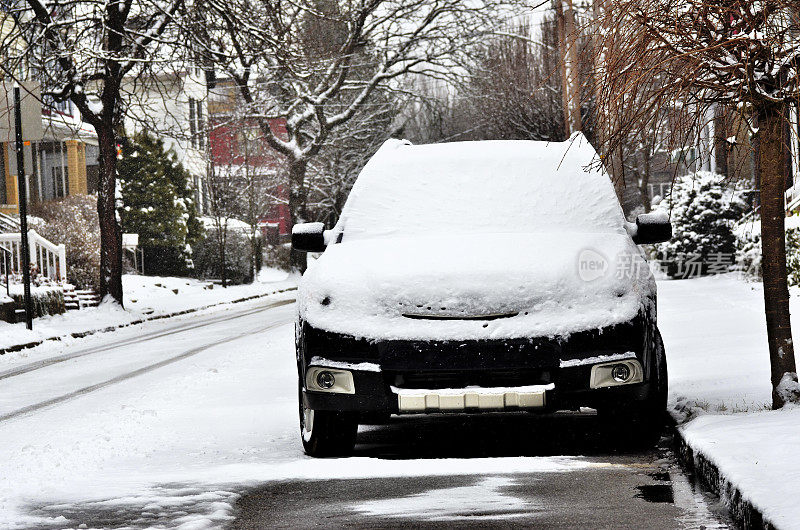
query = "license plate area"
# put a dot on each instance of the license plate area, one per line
(417, 400)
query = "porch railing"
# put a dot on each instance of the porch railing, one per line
(50, 259)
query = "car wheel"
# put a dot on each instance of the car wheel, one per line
(640, 424)
(325, 432)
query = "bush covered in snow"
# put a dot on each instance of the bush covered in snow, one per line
(238, 265)
(73, 222)
(748, 249)
(703, 208)
(277, 256)
(45, 300)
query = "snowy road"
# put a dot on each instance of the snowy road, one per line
(192, 422)
(114, 422)
(53, 382)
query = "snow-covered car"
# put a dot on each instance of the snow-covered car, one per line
(478, 276)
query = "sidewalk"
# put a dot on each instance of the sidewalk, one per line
(715, 334)
(146, 298)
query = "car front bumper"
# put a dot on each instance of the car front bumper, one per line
(408, 377)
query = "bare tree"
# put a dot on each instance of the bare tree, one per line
(512, 90)
(256, 183)
(515, 89)
(82, 50)
(704, 53)
(333, 171)
(224, 200)
(316, 63)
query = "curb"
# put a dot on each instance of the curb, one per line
(711, 478)
(81, 334)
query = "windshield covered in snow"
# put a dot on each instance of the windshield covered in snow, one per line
(481, 187)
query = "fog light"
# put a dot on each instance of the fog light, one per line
(620, 373)
(325, 380)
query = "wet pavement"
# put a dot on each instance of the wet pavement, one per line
(616, 488)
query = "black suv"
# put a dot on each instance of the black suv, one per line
(478, 276)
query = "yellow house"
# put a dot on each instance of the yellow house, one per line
(65, 161)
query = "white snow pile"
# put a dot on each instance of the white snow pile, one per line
(789, 389)
(759, 454)
(434, 237)
(230, 223)
(716, 342)
(144, 296)
(485, 500)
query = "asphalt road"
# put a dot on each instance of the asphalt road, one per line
(640, 489)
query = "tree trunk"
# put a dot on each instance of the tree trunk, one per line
(721, 140)
(222, 243)
(298, 200)
(110, 231)
(770, 166)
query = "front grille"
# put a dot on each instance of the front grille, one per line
(434, 316)
(463, 379)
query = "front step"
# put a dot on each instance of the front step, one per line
(87, 298)
(80, 298)
(71, 301)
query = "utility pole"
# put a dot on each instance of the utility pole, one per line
(22, 192)
(570, 67)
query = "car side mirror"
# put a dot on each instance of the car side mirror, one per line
(652, 228)
(308, 237)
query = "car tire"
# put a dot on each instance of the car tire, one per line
(640, 425)
(326, 433)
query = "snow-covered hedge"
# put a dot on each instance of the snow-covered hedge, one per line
(704, 208)
(277, 256)
(238, 257)
(748, 248)
(46, 300)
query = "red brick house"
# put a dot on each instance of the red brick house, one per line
(238, 148)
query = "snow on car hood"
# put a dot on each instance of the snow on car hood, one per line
(475, 286)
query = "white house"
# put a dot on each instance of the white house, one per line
(173, 106)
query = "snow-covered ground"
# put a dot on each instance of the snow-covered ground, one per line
(145, 296)
(167, 421)
(715, 334)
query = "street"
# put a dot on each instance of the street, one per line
(192, 422)
(433, 222)
(607, 490)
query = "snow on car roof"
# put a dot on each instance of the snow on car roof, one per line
(514, 186)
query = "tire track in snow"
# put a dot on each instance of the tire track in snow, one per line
(36, 365)
(135, 373)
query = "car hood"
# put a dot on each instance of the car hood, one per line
(476, 286)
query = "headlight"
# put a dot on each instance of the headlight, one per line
(616, 373)
(322, 379)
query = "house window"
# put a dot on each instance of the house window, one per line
(197, 126)
(61, 107)
(59, 182)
